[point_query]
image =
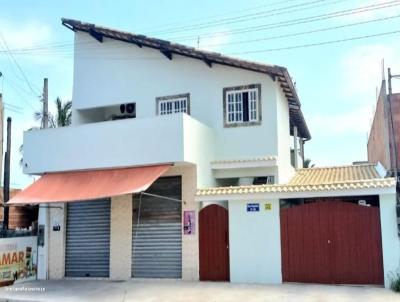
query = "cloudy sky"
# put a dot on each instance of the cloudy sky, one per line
(336, 81)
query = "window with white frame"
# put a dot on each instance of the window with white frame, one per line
(242, 105)
(173, 104)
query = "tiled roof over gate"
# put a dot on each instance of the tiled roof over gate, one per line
(315, 179)
(332, 175)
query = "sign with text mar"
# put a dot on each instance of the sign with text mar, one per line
(17, 259)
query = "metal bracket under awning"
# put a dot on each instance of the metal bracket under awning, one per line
(28, 206)
(163, 197)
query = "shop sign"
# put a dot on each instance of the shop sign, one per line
(189, 222)
(18, 259)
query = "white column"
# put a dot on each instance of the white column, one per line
(56, 250)
(390, 238)
(43, 250)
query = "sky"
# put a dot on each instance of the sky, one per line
(336, 82)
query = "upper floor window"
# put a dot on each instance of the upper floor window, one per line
(173, 104)
(242, 105)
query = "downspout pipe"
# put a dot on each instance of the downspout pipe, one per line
(295, 147)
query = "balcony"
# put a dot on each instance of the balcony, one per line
(131, 142)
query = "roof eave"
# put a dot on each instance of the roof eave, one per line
(262, 196)
(168, 49)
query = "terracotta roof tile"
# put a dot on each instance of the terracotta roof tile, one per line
(315, 179)
(245, 160)
(331, 175)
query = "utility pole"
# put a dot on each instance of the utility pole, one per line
(6, 186)
(392, 126)
(44, 213)
(45, 103)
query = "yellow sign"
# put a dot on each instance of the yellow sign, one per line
(17, 259)
(267, 206)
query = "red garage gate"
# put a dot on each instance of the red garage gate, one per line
(332, 242)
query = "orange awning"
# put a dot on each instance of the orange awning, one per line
(84, 185)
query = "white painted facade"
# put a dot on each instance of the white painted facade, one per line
(254, 243)
(111, 73)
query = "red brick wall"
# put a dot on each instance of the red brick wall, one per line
(396, 122)
(376, 143)
(18, 216)
(381, 144)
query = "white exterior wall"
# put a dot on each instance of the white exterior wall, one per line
(57, 241)
(199, 148)
(247, 172)
(133, 74)
(254, 243)
(103, 145)
(285, 171)
(390, 238)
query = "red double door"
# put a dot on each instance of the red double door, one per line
(331, 242)
(214, 243)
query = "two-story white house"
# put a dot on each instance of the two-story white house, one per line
(182, 163)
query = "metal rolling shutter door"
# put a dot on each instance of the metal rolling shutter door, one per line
(88, 239)
(157, 241)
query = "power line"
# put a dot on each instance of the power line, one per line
(258, 51)
(11, 105)
(16, 63)
(297, 21)
(318, 43)
(18, 91)
(12, 110)
(60, 44)
(286, 23)
(285, 35)
(224, 14)
(87, 49)
(273, 49)
(304, 32)
(248, 17)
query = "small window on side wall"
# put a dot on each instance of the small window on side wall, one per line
(242, 105)
(173, 104)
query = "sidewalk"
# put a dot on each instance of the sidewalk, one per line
(174, 290)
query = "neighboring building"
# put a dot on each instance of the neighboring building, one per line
(1, 132)
(383, 138)
(19, 217)
(184, 159)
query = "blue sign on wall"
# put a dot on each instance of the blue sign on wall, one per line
(253, 207)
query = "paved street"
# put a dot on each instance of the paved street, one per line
(170, 290)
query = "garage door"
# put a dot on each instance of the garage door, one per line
(157, 232)
(331, 242)
(88, 239)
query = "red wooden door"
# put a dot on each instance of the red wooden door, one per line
(331, 242)
(214, 243)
